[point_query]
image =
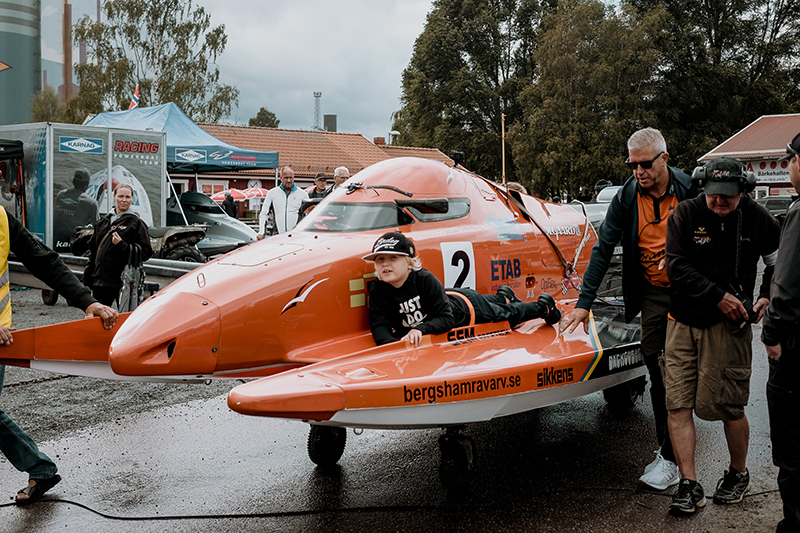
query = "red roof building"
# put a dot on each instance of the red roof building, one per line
(758, 146)
(306, 152)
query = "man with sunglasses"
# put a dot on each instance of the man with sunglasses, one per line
(781, 336)
(714, 242)
(638, 217)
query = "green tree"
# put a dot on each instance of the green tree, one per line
(724, 64)
(595, 66)
(46, 107)
(576, 78)
(468, 67)
(265, 119)
(165, 46)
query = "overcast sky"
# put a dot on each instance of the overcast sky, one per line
(353, 51)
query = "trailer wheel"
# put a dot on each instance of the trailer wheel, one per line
(49, 297)
(326, 444)
(459, 457)
(623, 396)
(186, 253)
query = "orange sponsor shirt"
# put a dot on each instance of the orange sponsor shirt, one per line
(653, 236)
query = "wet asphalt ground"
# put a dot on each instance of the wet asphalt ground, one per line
(160, 457)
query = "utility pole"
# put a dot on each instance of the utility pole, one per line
(503, 146)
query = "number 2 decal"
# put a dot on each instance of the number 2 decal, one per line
(459, 264)
(460, 258)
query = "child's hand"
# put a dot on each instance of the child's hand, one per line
(414, 337)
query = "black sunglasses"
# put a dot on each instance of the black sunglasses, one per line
(647, 165)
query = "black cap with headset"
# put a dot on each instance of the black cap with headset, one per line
(724, 175)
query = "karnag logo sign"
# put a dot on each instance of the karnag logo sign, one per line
(80, 145)
(190, 156)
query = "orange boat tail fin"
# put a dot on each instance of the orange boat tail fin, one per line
(81, 340)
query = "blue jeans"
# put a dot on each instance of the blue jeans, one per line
(19, 448)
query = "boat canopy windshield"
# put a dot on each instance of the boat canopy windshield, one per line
(355, 216)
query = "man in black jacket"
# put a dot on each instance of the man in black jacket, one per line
(713, 245)
(45, 264)
(229, 205)
(638, 218)
(72, 208)
(320, 189)
(781, 336)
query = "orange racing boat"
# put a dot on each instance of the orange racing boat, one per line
(292, 309)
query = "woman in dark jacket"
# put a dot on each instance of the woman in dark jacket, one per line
(110, 247)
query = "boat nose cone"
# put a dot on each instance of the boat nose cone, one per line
(178, 336)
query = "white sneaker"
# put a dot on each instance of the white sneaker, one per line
(655, 462)
(661, 474)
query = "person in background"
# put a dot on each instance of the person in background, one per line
(229, 205)
(713, 245)
(637, 217)
(781, 337)
(73, 208)
(320, 189)
(598, 187)
(44, 263)
(285, 201)
(517, 187)
(110, 246)
(340, 175)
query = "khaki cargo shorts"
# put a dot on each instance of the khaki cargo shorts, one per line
(708, 370)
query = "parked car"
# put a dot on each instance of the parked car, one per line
(777, 205)
(607, 194)
(596, 213)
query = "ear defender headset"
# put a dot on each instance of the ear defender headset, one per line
(731, 170)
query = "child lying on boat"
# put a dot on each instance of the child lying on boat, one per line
(407, 301)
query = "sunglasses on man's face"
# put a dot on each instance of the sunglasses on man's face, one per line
(647, 165)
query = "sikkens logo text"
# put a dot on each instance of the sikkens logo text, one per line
(552, 376)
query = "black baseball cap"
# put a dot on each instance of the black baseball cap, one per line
(792, 149)
(392, 243)
(724, 176)
(321, 176)
(81, 176)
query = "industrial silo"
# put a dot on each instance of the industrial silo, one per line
(20, 59)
